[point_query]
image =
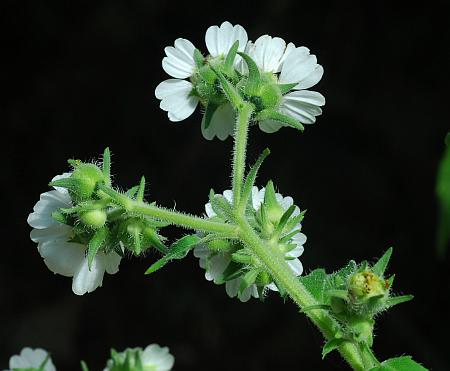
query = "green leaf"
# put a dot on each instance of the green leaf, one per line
(332, 345)
(254, 77)
(230, 91)
(404, 363)
(340, 277)
(178, 250)
(209, 112)
(96, 242)
(141, 190)
(269, 114)
(295, 220)
(391, 281)
(221, 204)
(284, 219)
(380, 266)
(132, 192)
(106, 167)
(248, 280)
(316, 283)
(251, 177)
(229, 60)
(443, 196)
(198, 58)
(69, 183)
(286, 88)
(233, 270)
(84, 366)
(394, 300)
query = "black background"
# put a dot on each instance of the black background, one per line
(80, 76)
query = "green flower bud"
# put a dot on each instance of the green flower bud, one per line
(270, 96)
(86, 176)
(365, 285)
(362, 330)
(93, 218)
(219, 245)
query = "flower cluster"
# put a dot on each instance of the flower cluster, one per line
(152, 358)
(31, 359)
(271, 75)
(82, 233)
(233, 264)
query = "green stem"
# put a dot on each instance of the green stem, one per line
(170, 216)
(279, 269)
(368, 358)
(240, 147)
(184, 220)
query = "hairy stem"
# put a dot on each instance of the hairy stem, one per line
(170, 216)
(240, 147)
(283, 275)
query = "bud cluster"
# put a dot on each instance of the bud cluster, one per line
(275, 219)
(97, 220)
(356, 294)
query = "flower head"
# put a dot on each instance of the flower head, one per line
(152, 358)
(180, 97)
(31, 359)
(229, 263)
(63, 250)
(276, 83)
(293, 68)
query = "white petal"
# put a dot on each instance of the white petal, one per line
(202, 252)
(55, 232)
(272, 286)
(47, 204)
(209, 210)
(62, 176)
(246, 294)
(297, 66)
(62, 257)
(299, 239)
(303, 105)
(158, 357)
(219, 40)
(85, 280)
(176, 99)
(270, 126)
(222, 123)
(286, 202)
(289, 48)
(228, 194)
(30, 358)
(268, 52)
(296, 266)
(180, 61)
(257, 197)
(216, 266)
(232, 287)
(110, 261)
(312, 79)
(298, 251)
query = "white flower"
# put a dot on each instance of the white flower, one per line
(31, 358)
(294, 65)
(215, 263)
(60, 254)
(176, 94)
(153, 357)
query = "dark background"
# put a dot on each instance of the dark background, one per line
(80, 76)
